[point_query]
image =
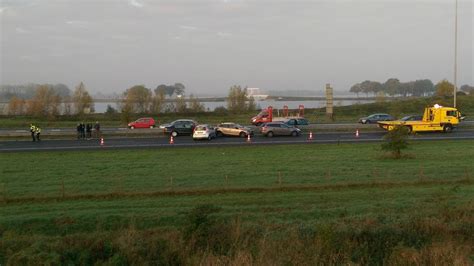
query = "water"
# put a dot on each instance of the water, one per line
(101, 107)
(210, 106)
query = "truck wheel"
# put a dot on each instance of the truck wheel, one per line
(132, 127)
(270, 134)
(448, 129)
(151, 127)
(409, 129)
(174, 134)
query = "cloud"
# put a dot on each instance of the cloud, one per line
(135, 3)
(77, 23)
(224, 34)
(190, 28)
(22, 30)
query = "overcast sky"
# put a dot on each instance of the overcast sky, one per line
(209, 45)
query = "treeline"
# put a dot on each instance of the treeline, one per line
(394, 87)
(141, 100)
(28, 91)
(49, 101)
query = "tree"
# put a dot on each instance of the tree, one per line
(157, 102)
(179, 88)
(138, 99)
(366, 87)
(181, 104)
(252, 106)
(82, 100)
(468, 89)
(396, 141)
(16, 106)
(165, 90)
(406, 88)
(422, 87)
(195, 105)
(45, 103)
(236, 99)
(444, 88)
(356, 89)
(392, 86)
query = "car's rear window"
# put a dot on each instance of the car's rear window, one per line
(201, 128)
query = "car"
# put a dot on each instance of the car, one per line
(145, 122)
(374, 118)
(296, 122)
(204, 131)
(412, 118)
(233, 129)
(179, 127)
(279, 129)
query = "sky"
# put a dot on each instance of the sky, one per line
(210, 45)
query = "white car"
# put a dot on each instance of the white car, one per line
(204, 132)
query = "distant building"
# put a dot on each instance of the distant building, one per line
(256, 94)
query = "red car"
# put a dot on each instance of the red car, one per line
(146, 122)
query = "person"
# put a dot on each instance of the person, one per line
(97, 129)
(83, 130)
(38, 132)
(89, 130)
(78, 128)
(33, 131)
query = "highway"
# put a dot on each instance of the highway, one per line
(187, 141)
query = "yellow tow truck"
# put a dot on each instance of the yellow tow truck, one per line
(436, 118)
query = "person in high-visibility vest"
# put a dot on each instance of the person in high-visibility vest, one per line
(33, 131)
(38, 132)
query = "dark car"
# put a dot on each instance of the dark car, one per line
(295, 122)
(376, 118)
(279, 129)
(179, 127)
(412, 118)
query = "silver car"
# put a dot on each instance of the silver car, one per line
(279, 129)
(204, 131)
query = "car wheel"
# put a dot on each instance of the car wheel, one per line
(294, 134)
(270, 134)
(242, 135)
(448, 129)
(219, 134)
(132, 127)
(174, 134)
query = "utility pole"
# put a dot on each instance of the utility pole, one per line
(455, 53)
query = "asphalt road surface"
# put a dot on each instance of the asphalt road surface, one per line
(187, 141)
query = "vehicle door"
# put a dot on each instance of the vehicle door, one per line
(232, 130)
(285, 129)
(178, 127)
(187, 127)
(139, 123)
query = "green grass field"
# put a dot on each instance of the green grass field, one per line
(342, 193)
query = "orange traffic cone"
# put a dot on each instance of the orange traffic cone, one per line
(101, 141)
(357, 133)
(248, 138)
(310, 135)
(171, 140)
